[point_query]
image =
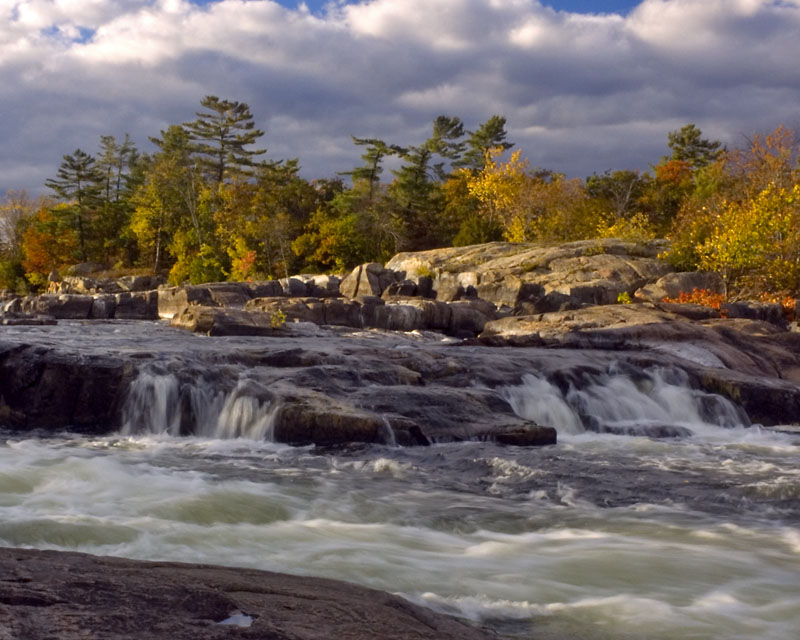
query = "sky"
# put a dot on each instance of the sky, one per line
(585, 86)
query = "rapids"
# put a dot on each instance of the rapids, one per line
(601, 536)
(609, 534)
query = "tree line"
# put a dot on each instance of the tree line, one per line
(207, 206)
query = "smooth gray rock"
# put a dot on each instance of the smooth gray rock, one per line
(49, 594)
(673, 284)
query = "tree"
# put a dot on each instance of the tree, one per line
(618, 192)
(370, 172)
(687, 145)
(16, 212)
(79, 183)
(220, 135)
(490, 135)
(445, 142)
(117, 164)
(170, 211)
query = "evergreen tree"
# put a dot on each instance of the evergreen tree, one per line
(220, 135)
(490, 135)
(687, 145)
(445, 142)
(370, 171)
(79, 182)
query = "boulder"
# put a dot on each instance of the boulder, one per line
(140, 283)
(367, 279)
(322, 286)
(294, 287)
(136, 305)
(51, 594)
(586, 272)
(104, 306)
(402, 288)
(672, 285)
(173, 300)
(320, 420)
(403, 317)
(292, 309)
(468, 318)
(532, 436)
(47, 388)
(764, 311)
(216, 321)
(64, 306)
(263, 289)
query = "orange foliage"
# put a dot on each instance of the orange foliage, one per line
(677, 172)
(699, 296)
(46, 245)
(789, 303)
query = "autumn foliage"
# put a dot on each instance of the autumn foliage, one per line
(203, 207)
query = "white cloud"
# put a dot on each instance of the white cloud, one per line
(581, 93)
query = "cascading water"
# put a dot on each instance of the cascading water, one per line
(601, 536)
(159, 404)
(657, 402)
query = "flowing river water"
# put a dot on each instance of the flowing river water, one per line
(601, 536)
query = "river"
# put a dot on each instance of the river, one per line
(601, 536)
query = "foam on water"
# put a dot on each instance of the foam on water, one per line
(655, 402)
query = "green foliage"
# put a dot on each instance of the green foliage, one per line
(203, 208)
(687, 145)
(277, 319)
(624, 298)
(220, 135)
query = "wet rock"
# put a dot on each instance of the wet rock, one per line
(319, 420)
(13, 319)
(49, 594)
(532, 436)
(46, 388)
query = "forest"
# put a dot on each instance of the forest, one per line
(207, 206)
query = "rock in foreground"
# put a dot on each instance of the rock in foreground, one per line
(48, 594)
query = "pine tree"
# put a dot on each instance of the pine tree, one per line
(220, 135)
(490, 135)
(80, 183)
(687, 145)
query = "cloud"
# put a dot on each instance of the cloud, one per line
(581, 93)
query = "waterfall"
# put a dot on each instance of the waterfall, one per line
(655, 402)
(161, 404)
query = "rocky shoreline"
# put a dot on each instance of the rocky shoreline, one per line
(49, 594)
(347, 358)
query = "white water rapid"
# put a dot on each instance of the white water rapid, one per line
(660, 514)
(599, 537)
